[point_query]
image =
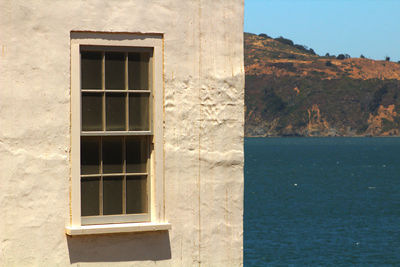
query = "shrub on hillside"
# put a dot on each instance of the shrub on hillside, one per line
(343, 56)
(305, 49)
(289, 66)
(340, 57)
(264, 35)
(301, 47)
(377, 98)
(284, 41)
(273, 102)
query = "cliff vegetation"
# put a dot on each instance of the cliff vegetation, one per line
(292, 91)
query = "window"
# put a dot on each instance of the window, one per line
(116, 133)
(116, 129)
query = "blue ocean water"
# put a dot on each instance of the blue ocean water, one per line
(322, 202)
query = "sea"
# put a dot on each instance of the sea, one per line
(331, 201)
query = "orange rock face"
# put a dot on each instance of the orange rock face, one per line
(316, 124)
(376, 122)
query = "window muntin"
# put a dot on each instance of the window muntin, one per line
(116, 133)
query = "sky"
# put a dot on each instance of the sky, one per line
(354, 27)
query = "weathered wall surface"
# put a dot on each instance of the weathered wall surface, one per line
(203, 135)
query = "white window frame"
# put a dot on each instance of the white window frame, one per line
(122, 41)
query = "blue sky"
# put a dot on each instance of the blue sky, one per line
(354, 27)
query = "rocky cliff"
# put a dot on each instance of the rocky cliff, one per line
(291, 91)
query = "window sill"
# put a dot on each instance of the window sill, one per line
(116, 228)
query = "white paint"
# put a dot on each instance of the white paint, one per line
(203, 132)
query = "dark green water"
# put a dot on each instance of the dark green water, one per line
(322, 202)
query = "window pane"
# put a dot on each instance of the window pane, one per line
(90, 196)
(112, 155)
(90, 162)
(112, 195)
(138, 71)
(115, 112)
(92, 112)
(139, 112)
(91, 65)
(136, 194)
(115, 71)
(136, 154)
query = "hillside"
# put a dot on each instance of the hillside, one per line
(291, 91)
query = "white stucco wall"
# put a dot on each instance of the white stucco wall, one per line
(203, 132)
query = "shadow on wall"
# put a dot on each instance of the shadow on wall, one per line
(145, 246)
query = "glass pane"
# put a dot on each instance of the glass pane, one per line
(139, 112)
(91, 65)
(90, 162)
(112, 155)
(136, 194)
(138, 71)
(92, 112)
(90, 196)
(115, 71)
(115, 112)
(136, 154)
(112, 195)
